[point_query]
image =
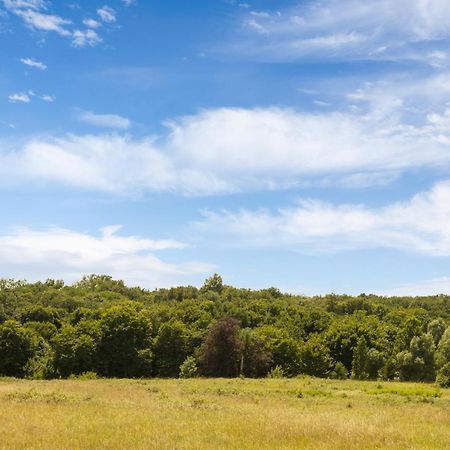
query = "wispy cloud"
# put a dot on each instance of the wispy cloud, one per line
(63, 253)
(33, 63)
(45, 22)
(47, 98)
(104, 120)
(420, 225)
(348, 29)
(434, 286)
(20, 97)
(91, 23)
(36, 16)
(391, 130)
(107, 14)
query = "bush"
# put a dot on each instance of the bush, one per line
(443, 376)
(189, 368)
(276, 372)
(340, 372)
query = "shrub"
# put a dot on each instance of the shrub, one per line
(340, 372)
(443, 376)
(189, 368)
(276, 372)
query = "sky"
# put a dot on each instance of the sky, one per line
(301, 144)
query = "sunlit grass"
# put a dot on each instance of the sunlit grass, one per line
(217, 414)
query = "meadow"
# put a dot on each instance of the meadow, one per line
(296, 413)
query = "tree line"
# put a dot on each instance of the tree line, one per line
(100, 327)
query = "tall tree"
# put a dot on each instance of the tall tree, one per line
(221, 351)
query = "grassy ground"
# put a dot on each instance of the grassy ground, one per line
(302, 413)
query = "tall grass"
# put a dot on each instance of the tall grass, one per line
(303, 413)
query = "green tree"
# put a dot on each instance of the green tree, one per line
(75, 351)
(213, 283)
(418, 364)
(436, 328)
(374, 363)
(443, 376)
(124, 346)
(17, 347)
(443, 350)
(359, 364)
(170, 349)
(314, 357)
(255, 358)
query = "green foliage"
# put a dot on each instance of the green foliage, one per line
(417, 364)
(189, 368)
(375, 361)
(18, 346)
(276, 372)
(255, 358)
(339, 372)
(443, 351)
(359, 364)
(314, 357)
(75, 351)
(124, 338)
(436, 328)
(170, 348)
(443, 376)
(213, 283)
(100, 325)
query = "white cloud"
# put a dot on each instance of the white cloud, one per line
(20, 97)
(33, 63)
(234, 149)
(107, 14)
(67, 254)
(91, 23)
(44, 22)
(48, 98)
(434, 286)
(349, 29)
(34, 14)
(20, 4)
(104, 120)
(129, 2)
(421, 225)
(86, 37)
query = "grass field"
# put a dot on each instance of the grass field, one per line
(217, 414)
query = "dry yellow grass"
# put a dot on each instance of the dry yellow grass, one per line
(302, 413)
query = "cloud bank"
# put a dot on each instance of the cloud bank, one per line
(65, 254)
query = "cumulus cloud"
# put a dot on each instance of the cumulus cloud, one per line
(92, 23)
(20, 97)
(35, 15)
(234, 149)
(33, 63)
(421, 225)
(349, 29)
(107, 14)
(104, 120)
(44, 22)
(48, 98)
(88, 37)
(66, 254)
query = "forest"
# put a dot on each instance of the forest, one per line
(99, 327)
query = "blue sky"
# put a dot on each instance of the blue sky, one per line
(298, 144)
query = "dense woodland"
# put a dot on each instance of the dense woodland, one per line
(100, 327)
